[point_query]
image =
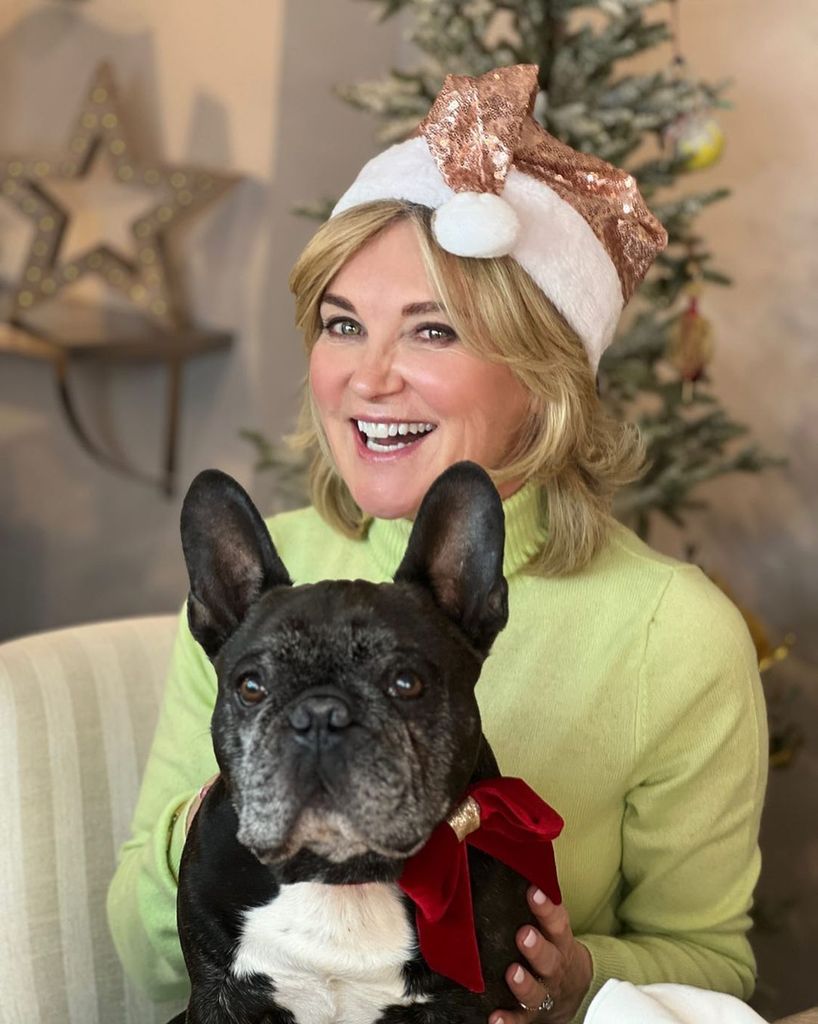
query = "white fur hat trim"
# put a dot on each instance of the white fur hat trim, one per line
(476, 224)
(555, 244)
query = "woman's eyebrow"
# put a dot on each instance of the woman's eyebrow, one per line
(336, 300)
(418, 308)
(413, 309)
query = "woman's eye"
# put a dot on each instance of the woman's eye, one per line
(250, 690)
(341, 327)
(405, 685)
(439, 333)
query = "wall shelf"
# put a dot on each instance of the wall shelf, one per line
(67, 335)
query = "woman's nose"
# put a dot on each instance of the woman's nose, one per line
(375, 373)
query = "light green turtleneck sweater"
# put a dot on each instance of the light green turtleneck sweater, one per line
(626, 694)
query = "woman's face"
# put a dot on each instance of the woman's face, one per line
(399, 396)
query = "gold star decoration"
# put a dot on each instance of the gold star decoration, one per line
(145, 276)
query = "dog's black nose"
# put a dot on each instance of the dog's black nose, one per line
(319, 713)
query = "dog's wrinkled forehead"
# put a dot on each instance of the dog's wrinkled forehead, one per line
(297, 640)
(349, 622)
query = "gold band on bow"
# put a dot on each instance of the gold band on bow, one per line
(465, 818)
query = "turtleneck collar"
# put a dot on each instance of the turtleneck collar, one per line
(525, 532)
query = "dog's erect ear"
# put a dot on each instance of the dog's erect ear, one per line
(231, 560)
(456, 550)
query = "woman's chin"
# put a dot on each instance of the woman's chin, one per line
(387, 508)
(398, 498)
(390, 487)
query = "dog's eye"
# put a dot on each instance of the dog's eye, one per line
(250, 690)
(406, 684)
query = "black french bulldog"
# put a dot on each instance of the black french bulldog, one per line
(346, 728)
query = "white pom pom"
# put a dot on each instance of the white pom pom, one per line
(477, 224)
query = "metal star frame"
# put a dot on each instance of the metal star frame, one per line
(146, 277)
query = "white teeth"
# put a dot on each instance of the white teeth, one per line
(373, 446)
(372, 429)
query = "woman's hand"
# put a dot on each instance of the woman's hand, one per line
(558, 969)
(197, 802)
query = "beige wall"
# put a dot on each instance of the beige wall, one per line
(251, 91)
(245, 87)
(762, 533)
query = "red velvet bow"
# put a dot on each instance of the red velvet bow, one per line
(516, 827)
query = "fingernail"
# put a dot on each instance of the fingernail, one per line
(498, 1020)
(518, 975)
(539, 897)
(530, 938)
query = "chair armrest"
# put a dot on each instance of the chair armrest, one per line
(78, 709)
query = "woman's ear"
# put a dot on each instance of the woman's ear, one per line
(456, 551)
(231, 560)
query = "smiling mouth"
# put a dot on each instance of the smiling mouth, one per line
(389, 437)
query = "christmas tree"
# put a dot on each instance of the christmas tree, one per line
(660, 127)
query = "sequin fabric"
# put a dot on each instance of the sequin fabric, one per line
(474, 126)
(608, 199)
(479, 128)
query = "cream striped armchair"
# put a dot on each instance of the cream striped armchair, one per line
(77, 713)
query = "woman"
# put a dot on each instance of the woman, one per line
(455, 307)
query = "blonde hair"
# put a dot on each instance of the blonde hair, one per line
(570, 446)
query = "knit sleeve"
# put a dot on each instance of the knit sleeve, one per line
(690, 858)
(142, 895)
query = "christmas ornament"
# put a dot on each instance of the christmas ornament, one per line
(144, 276)
(696, 139)
(690, 345)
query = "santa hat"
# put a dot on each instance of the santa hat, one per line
(500, 184)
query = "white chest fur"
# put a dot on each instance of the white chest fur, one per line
(334, 952)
